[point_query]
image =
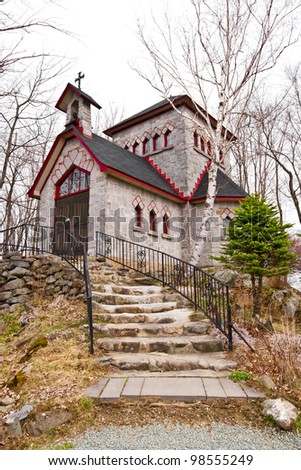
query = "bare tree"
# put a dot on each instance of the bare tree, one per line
(216, 58)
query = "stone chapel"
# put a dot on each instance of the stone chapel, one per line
(147, 183)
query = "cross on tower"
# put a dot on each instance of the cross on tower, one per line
(79, 78)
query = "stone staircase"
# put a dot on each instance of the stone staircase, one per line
(142, 326)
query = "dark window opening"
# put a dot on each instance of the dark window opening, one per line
(165, 224)
(156, 142)
(138, 216)
(136, 148)
(167, 139)
(153, 221)
(196, 139)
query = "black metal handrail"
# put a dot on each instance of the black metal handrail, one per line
(30, 239)
(205, 292)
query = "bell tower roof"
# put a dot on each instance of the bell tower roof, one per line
(77, 106)
(68, 95)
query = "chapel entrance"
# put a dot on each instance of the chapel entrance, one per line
(72, 211)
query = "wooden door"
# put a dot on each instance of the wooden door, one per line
(71, 216)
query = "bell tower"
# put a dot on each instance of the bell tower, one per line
(77, 106)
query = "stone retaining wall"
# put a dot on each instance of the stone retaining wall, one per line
(45, 275)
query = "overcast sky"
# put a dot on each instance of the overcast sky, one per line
(102, 44)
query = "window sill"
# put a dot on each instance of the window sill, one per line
(136, 228)
(166, 236)
(153, 234)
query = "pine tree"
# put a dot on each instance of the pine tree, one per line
(258, 244)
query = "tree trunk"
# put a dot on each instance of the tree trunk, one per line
(257, 295)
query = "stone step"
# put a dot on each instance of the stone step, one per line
(171, 316)
(121, 299)
(136, 290)
(154, 329)
(164, 344)
(155, 362)
(135, 308)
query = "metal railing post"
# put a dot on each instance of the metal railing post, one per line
(229, 321)
(163, 269)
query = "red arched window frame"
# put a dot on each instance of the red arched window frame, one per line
(75, 181)
(136, 148)
(146, 147)
(156, 142)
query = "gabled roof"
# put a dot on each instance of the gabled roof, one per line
(110, 158)
(226, 188)
(159, 108)
(65, 97)
(125, 163)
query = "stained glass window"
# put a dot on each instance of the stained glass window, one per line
(76, 181)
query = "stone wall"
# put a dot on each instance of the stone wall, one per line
(21, 278)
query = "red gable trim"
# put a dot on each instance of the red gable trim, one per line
(199, 180)
(164, 176)
(47, 167)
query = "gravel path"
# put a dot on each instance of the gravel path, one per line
(180, 437)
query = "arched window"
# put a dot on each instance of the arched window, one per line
(156, 142)
(74, 110)
(152, 221)
(146, 147)
(138, 216)
(165, 224)
(167, 138)
(202, 144)
(76, 181)
(196, 139)
(221, 156)
(136, 148)
(209, 148)
(225, 227)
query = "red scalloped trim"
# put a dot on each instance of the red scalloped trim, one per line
(164, 176)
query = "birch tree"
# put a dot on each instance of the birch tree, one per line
(216, 56)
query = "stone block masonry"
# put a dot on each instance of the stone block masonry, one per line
(47, 275)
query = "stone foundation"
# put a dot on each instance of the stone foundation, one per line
(46, 275)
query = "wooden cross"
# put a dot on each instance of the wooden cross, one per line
(79, 78)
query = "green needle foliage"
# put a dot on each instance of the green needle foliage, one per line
(258, 244)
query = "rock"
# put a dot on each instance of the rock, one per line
(4, 296)
(267, 382)
(14, 428)
(15, 284)
(12, 254)
(227, 276)
(291, 306)
(18, 415)
(282, 411)
(50, 280)
(18, 264)
(48, 420)
(19, 272)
